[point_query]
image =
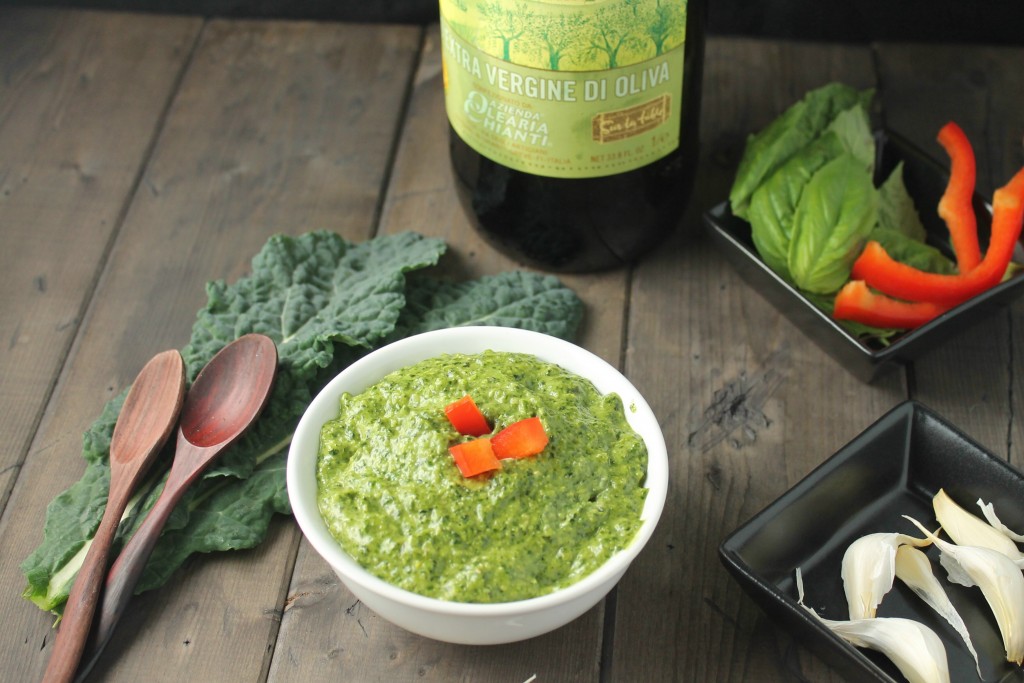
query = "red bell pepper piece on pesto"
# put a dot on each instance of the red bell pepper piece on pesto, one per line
(474, 457)
(955, 207)
(467, 418)
(520, 439)
(855, 301)
(882, 272)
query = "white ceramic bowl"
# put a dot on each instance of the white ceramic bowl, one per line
(459, 622)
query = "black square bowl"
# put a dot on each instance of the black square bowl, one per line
(926, 181)
(891, 469)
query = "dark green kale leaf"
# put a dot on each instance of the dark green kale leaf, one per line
(308, 294)
(513, 299)
(71, 521)
(224, 513)
(325, 302)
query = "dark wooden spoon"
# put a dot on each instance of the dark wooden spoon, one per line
(147, 417)
(227, 396)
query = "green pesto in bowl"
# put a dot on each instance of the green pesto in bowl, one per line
(393, 498)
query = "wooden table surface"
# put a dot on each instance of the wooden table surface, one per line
(143, 155)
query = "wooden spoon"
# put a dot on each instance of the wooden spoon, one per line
(227, 396)
(147, 417)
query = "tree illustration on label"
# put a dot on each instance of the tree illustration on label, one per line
(668, 22)
(593, 35)
(610, 33)
(558, 34)
(506, 24)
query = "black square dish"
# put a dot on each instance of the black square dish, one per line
(891, 469)
(926, 181)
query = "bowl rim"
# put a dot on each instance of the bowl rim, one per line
(370, 368)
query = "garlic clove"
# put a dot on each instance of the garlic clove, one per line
(989, 511)
(914, 648)
(970, 530)
(914, 569)
(869, 566)
(1000, 581)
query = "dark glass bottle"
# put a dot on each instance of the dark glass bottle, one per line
(589, 223)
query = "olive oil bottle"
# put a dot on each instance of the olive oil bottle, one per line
(573, 123)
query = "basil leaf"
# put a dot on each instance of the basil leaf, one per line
(896, 209)
(912, 252)
(837, 211)
(875, 336)
(801, 123)
(774, 202)
(854, 131)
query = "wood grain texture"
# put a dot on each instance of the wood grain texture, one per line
(141, 156)
(274, 128)
(74, 140)
(751, 408)
(325, 631)
(982, 89)
(304, 120)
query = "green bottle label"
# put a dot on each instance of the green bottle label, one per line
(565, 88)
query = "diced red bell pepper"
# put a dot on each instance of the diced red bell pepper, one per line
(520, 439)
(474, 457)
(858, 303)
(466, 417)
(955, 207)
(902, 281)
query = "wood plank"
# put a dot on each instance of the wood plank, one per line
(72, 143)
(976, 379)
(276, 127)
(751, 409)
(326, 631)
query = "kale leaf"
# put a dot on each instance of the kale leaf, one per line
(325, 302)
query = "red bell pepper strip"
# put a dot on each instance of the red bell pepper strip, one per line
(466, 417)
(882, 272)
(474, 457)
(855, 301)
(955, 207)
(520, 439)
